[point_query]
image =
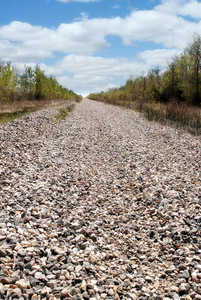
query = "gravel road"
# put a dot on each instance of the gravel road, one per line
(101, 205)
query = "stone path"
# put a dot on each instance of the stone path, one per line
(102, 205)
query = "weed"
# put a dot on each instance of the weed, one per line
(78, 99)
(126, 153)
(70, 107)
(63, 113)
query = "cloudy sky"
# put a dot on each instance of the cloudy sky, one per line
(93, 45)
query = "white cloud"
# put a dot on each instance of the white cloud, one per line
(192, 9)
(19, 53)
(90, 65)
(94, 83)
(160, 57)
(76, 37)
(88, 36)
(79, 41)
(170, 7)
(155, 26)
(19, 31)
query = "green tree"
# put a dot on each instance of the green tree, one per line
(171, 83)
(27, 82)
(193, 51)
(8, 83)
(40, 87)
(153, 87)
(32, 84)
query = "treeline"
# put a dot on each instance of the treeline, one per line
(173, 94)
(33, 84)
(181, 81)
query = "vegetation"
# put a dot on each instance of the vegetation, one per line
(21, 109)
(31, 91)
(31, 85)
(8, 117)
(63, 112)
(173, 95)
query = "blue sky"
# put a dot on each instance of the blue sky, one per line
(94, 45)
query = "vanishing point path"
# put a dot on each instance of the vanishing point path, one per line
(101, 205)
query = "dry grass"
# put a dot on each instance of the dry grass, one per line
(15, 110)
(178, 114)
(29, 105)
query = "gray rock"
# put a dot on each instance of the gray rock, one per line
(184, 274)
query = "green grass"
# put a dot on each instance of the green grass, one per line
(8, 117)
(63, 113)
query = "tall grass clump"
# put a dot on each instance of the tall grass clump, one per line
(63, 113)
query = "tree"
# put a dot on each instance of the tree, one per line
(40, 83)
(171, 82)
(193, 51)
(154, 84)
(8, 82)
(27, 82)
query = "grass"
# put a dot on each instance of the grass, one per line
(178, 114)
(29, 105)
(63, 112)
(8, 117)
(16, 110)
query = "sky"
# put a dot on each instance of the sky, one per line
(94, 45)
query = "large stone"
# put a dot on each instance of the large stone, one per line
(23, 284)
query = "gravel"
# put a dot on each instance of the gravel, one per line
(101, 205)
